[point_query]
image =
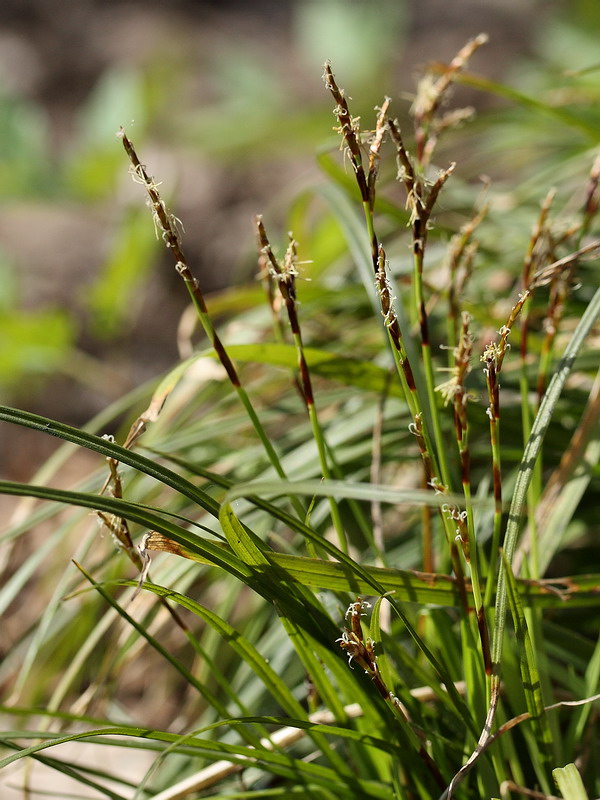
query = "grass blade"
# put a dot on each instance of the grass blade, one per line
(569, 783)
(542, 739)
(532, 449)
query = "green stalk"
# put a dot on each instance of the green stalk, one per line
(421, 202)
(417, 426)
(334, 509)
(357, 511)
(473, 562)
(493, 413)
(531, 453)
(405, 371)
(167, 224)
(437, 479)
(419, 238)
(454, 391)
(493, 357)
(535, 489)
(206, 322)
(349, 131)
(435, 417)
(285, 274)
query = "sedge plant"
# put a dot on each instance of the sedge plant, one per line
(344, 531)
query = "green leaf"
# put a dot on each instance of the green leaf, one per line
(363, 375)
(71, 770)
(239, 643)
(268, 589)
(563, 493)
(407, 586)
(278, 763)
(383, 661)
(569, 783)
(348, 489)
(300, 612)
(530, 455)
(542, 740)
(107, 448)
(134, 512)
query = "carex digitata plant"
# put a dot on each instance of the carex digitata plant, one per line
(352, 638)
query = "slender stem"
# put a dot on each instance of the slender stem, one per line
(532, 257)
(167, 224)
(362, 652)
(321, 447)
(455, 391)
(421, 215)
(358, 513)
(285, 275)
(420, 203)
(531, 453)
(417, 426)
(493, 357)
(437, 478)
(493, 412)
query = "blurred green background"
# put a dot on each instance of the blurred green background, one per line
(226, 105)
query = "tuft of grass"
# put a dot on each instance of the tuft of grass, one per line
(337, 529)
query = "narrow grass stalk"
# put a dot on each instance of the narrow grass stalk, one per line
(454, 391)
(376, 507)
(284, 737)
(358, 513)
(437, 478)
(361, 651)
(420, 203)
(167, 224)
(532, 258)
(421, 199)
(493, 358)
(532, 684)
(493, 412)
(519, 499)
(417, 426)
(350, 133)
(403, 367)
(285, 274)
